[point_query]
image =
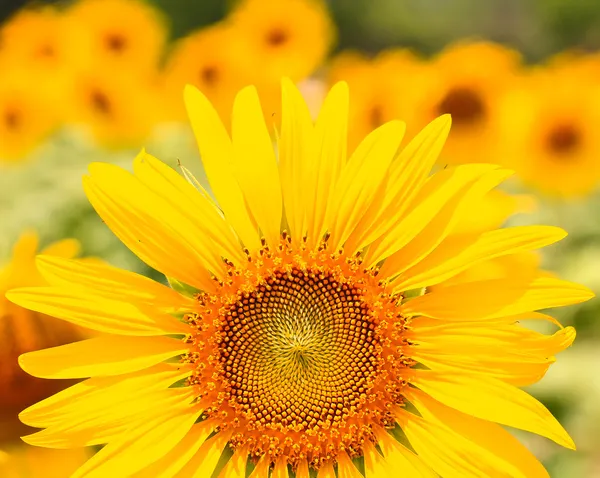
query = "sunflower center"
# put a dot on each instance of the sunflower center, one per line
(376, 116)
(12, 120)
(116, 42)
(563, 139)
(300, 350)
(465, 106)
(101, 102)
(299, 354)
(277, 37)
(209, 75)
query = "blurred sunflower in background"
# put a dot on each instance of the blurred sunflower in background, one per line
(207, 60)
(21, 331)
(118, 109)
(122, 34)
(551, 133)
(468, 81)
(27, 116)
(378, 89)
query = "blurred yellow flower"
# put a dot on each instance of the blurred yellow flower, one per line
(207, 60)
(283, 38)
(27, 116)
(22, 331)
(468, 81)
(123, 34)
(24, 461)
(40, 40)
(379, 89)
(550, 128)
(119, 109)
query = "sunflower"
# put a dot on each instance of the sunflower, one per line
(553, 142)
(300, 350)
(27, 116)
(125, 34)
(285, 38)
(114, 106)
(206, 59)
(40, 39)
(468, 81)
(22, 330)
(375, 89)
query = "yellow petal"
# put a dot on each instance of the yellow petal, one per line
(204, 462)
(331, 137)
(142, 445)
(326, 471)
(406, 177)
(236, 466)
(181, 454)
(111, 282)
(261, 470)
(401, 460)
(295, 148)
(447, 259)
(106, 355)
(450, 185)
(493, 400)
(345, 467)
(255, 166)
(137, 219)
(518, 461)
(302, 471)
(375, 465)
(195, 205)
(496, 298)
(280, 470)
(446, 452)
(360, 179)
(110, 420)
(97, 313)
(67, 248)
(95, 396)
(217, 157)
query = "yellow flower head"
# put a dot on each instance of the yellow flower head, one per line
(550, 126)
(376, 89)
(207, 60)
(38, 39)
(468, 81)
(123, 34)
(287, 37)
(291, 335)
(22, 330)
(119, 109)
(27, 116)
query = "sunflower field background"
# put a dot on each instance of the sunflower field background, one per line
(97, 80)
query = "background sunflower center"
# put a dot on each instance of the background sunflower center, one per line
(464, 104)
(563, 139)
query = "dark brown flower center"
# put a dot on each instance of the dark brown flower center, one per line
(12, 119)
(209, 75)
(464, 104)
(563, 139)
(116, 42)
(277, 37)
(101, 102)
